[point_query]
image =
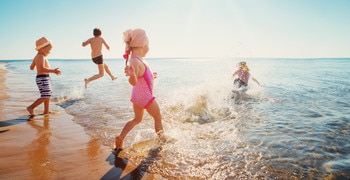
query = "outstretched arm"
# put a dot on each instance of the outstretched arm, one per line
(86, 43)
(256, 81)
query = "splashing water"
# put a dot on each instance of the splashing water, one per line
(294, 127)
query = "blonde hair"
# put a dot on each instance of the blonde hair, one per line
(244, 66)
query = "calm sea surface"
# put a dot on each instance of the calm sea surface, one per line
(295, 126)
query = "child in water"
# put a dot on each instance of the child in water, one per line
(242, 73)
(141, 78)
(96, 54)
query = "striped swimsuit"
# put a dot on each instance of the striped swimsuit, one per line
(43, 83)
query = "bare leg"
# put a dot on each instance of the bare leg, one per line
(129, 126)
(36, 103)
(96, 76)
(47, 106)
(109, 72)
(154, 111)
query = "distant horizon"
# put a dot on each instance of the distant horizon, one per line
(87, 59)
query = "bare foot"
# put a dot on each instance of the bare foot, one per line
(31, 111)
(113, 78)
(50, 112)
(118, 143)
(86, 83)
(161, 137)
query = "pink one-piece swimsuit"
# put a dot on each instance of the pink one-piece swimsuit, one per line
(142, 92)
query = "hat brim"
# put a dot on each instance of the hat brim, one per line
(43, 45)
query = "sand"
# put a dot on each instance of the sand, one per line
(53, 146)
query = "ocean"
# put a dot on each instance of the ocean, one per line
(295, 126)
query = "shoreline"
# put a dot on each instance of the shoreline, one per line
(51, 146)
(3, 95)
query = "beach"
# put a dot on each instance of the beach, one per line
(3, 95)
(51, 146)
(294, 126)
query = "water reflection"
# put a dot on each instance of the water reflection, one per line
(38, 154)
(93, 146)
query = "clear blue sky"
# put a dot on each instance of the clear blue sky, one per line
(180, 28)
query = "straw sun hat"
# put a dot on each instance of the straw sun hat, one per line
(42, 42)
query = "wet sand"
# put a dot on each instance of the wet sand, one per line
(53, 146)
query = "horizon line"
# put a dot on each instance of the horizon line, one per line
(19, 59)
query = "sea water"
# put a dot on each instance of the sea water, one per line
(295, 126)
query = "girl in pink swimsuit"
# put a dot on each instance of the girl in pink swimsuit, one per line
(243, 75)
(141, 78)
(142, 92)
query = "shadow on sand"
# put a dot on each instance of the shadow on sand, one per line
(124, 170)
(12, 122)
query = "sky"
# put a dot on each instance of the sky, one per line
(180, 28)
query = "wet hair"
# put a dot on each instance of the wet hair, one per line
(97, 32)
(243, 65)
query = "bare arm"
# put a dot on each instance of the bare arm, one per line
(86, 43)
(256, 81)
(134, 71)
(106, 45)
(130, 71)
(32, 66)
(42, 68)
(235, 73)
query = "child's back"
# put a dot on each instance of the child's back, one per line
(96, 46)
